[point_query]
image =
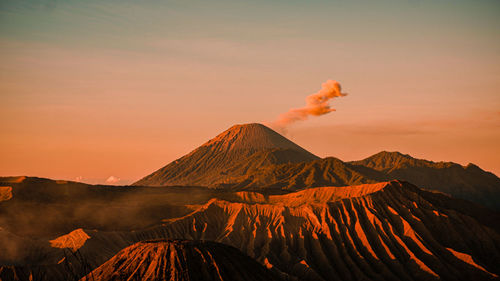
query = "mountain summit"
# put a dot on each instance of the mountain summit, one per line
(233, 153)
(253, 137)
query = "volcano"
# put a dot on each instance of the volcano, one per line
(223, 160)
(254, 157)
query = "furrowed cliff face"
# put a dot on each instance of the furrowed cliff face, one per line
(385, 231)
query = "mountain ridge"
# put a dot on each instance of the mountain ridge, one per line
(254, 157)
(467, 182)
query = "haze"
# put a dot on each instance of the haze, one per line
(94, 89)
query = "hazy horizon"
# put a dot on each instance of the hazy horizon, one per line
(97, 89)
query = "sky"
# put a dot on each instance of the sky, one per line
(110, 91)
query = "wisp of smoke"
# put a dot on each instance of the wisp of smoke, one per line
(317, 104)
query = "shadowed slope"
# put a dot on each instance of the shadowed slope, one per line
(177, 260)
(329, 171)
(40, 207)
(468, 182)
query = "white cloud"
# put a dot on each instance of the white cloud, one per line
(113, 179)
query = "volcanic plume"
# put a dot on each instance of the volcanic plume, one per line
(317, 104)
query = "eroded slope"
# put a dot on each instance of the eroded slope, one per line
(391, 231)
(181, 260)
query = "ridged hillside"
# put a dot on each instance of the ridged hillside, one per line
(328, 171)
(181, 260)
(385, 231)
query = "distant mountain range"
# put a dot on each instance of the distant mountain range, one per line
(254, 157)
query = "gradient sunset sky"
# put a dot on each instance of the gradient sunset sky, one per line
(93, 89)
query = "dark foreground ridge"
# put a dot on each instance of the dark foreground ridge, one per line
(181, 260)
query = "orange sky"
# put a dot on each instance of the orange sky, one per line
(100, 89)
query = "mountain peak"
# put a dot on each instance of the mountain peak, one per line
(391, 154)
(385, 160)
(231, 154)
(252, 136)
